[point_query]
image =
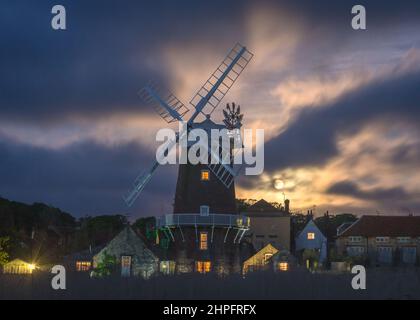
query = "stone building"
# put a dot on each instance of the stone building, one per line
(132, 256)
(268, 225)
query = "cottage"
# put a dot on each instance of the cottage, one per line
(268, 225)
(131, 254)
(382, 240)
(18, 266)
(283, 261)
(81, 261)
(260, 260)
(311, 245)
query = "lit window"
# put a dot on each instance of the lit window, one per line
(267, 256)
(311, 236)
(204, 211)
(283, 266)
(83, 265)
(203, 266)
(205, 175)
(203, 241)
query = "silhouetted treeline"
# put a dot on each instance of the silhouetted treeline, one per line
(39, 232)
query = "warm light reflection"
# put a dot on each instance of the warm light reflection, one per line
(283, 266)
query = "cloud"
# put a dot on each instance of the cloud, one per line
(351, 189)
(83, 178)
(311, 139)
(73, 130)
(388, 199)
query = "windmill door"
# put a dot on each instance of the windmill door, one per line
(126, 266)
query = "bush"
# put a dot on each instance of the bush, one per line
(105, 267)
(4, 256)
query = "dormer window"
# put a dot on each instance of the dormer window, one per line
(205, 175)
(204, 211)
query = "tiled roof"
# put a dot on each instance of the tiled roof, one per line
(262, 206)
(387, 226)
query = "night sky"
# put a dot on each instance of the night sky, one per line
(340, 108)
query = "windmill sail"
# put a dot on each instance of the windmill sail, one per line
(171, 109)
(139, 184)
(164, 102)
(219, 83)
(223, 172)
(143, 179)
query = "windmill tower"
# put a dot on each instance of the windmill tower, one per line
(204, 230)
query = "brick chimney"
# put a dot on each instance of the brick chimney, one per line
(287, 206)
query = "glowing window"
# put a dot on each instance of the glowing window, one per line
(83, 265)
(203, 241)
(203, 266)
(283, 266)
(311, 236)
(205, 175)
(267, 256)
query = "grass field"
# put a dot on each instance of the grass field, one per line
(381, 284)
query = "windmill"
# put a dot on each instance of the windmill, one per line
(205, 101)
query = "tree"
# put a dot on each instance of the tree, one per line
(147, 227)
(328, 224)
(243, 204)
(106, 266)
(99, 230)
(4, 256)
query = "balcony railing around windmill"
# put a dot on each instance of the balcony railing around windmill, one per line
(228, 221)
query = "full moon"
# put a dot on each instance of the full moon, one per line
(278, 184)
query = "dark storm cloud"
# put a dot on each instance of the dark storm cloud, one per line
(348, 188)
(110, 50)
(96, 66)
(407, 154)
(311, 139)
(395, 198)
(84, 178)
